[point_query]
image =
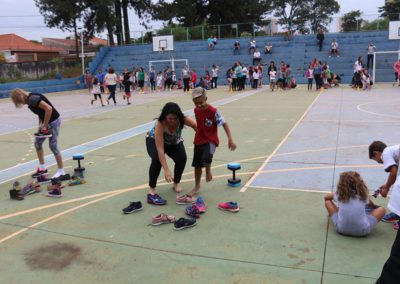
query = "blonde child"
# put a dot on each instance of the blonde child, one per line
(349, 217)
(206, 140)
(96, 91)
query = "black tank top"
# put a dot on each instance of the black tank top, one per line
(34, 100)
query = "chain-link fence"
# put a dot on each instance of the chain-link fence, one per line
(270, 27)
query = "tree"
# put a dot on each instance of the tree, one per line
(62, 14)
(305, 16)
(378, 24)
(390, 10)
(143, 9)
(351, 21)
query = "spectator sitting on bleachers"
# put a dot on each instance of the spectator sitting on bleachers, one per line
(334, 48)
(256, 57)
(214, 41)
(268, 48)
(253, 46)
(210, 43)
(236, 47)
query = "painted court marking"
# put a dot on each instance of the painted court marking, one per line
(359, 107)
(248, 183)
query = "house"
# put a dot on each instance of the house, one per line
(18, 49)
(68, 46)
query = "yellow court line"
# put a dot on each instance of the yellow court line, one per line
(244, 188)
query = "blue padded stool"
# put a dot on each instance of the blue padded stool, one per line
(234, 182)
(78, 172)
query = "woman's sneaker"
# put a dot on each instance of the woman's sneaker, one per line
(155, 199)
(56, 192)
(133, 207)
(192, 211)
(390, 218)
(39, 172)
(76, 181)
(229, 206)
(201, 206)
(183, 223)
(185, 199)
(43, 134)
(162, 219)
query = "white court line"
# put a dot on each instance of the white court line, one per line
(244, 188)
(290, 189)
(359, 107)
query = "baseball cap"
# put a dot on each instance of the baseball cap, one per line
(198, 92)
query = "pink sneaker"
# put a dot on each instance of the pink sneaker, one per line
(229, 206)
(185, 199)
(162, 219)
(201, 206)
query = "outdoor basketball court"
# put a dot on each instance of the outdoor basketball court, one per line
(292, 147)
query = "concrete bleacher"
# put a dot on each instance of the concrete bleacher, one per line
(298, 53)
(43, 86)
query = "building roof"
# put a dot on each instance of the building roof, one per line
(13, 42)
(98, 41)
(60, 41)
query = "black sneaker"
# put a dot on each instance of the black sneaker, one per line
(183, 223)
(43, 134)
(39, 172)
(133, 207)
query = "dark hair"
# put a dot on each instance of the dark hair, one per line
(174, 109)
(111, 70)
(377, 146)
(95, 80)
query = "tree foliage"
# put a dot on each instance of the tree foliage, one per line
(351, 21)
(391, 10)
(305, 16)
(378, 24)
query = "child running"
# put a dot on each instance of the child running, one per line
(350, 217)
(96, 91)
(206, 140)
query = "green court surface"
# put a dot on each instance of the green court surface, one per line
(279, 236)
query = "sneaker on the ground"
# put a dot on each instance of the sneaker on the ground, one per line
(30, 188)
(155, 199)
(201, 206)
(390, 218)
(162, 219)
(39, 172)
(56, 192)
(185, 199)
(229, 206)
(76, 181)
(192, 211)
(43, 133)
(133, 207)
(183, 223)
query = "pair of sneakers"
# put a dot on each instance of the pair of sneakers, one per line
(43, 133)
(194, 210)
(133, 207)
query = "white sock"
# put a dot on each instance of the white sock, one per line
(60, 172)
(42, 166)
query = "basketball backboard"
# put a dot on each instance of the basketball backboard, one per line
(163, 43)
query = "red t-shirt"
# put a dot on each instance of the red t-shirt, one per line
(194, 77)
(207, 125)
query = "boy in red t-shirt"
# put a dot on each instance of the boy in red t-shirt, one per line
(206, 140)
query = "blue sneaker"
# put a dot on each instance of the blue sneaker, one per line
(155, 199)
(390, 218)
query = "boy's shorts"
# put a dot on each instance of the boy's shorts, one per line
(128, 94)
(203, 154)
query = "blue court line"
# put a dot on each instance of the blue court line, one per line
(25, 168)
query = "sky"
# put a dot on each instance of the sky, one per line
(22, 17)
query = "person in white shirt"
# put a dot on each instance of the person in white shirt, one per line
(253, 46)
(389, 157)
(358, 65)
(111, 80)
(256, 76)
(256, 57)
(334, 48)
(214, 76)
(371, 48)
(272, 79)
